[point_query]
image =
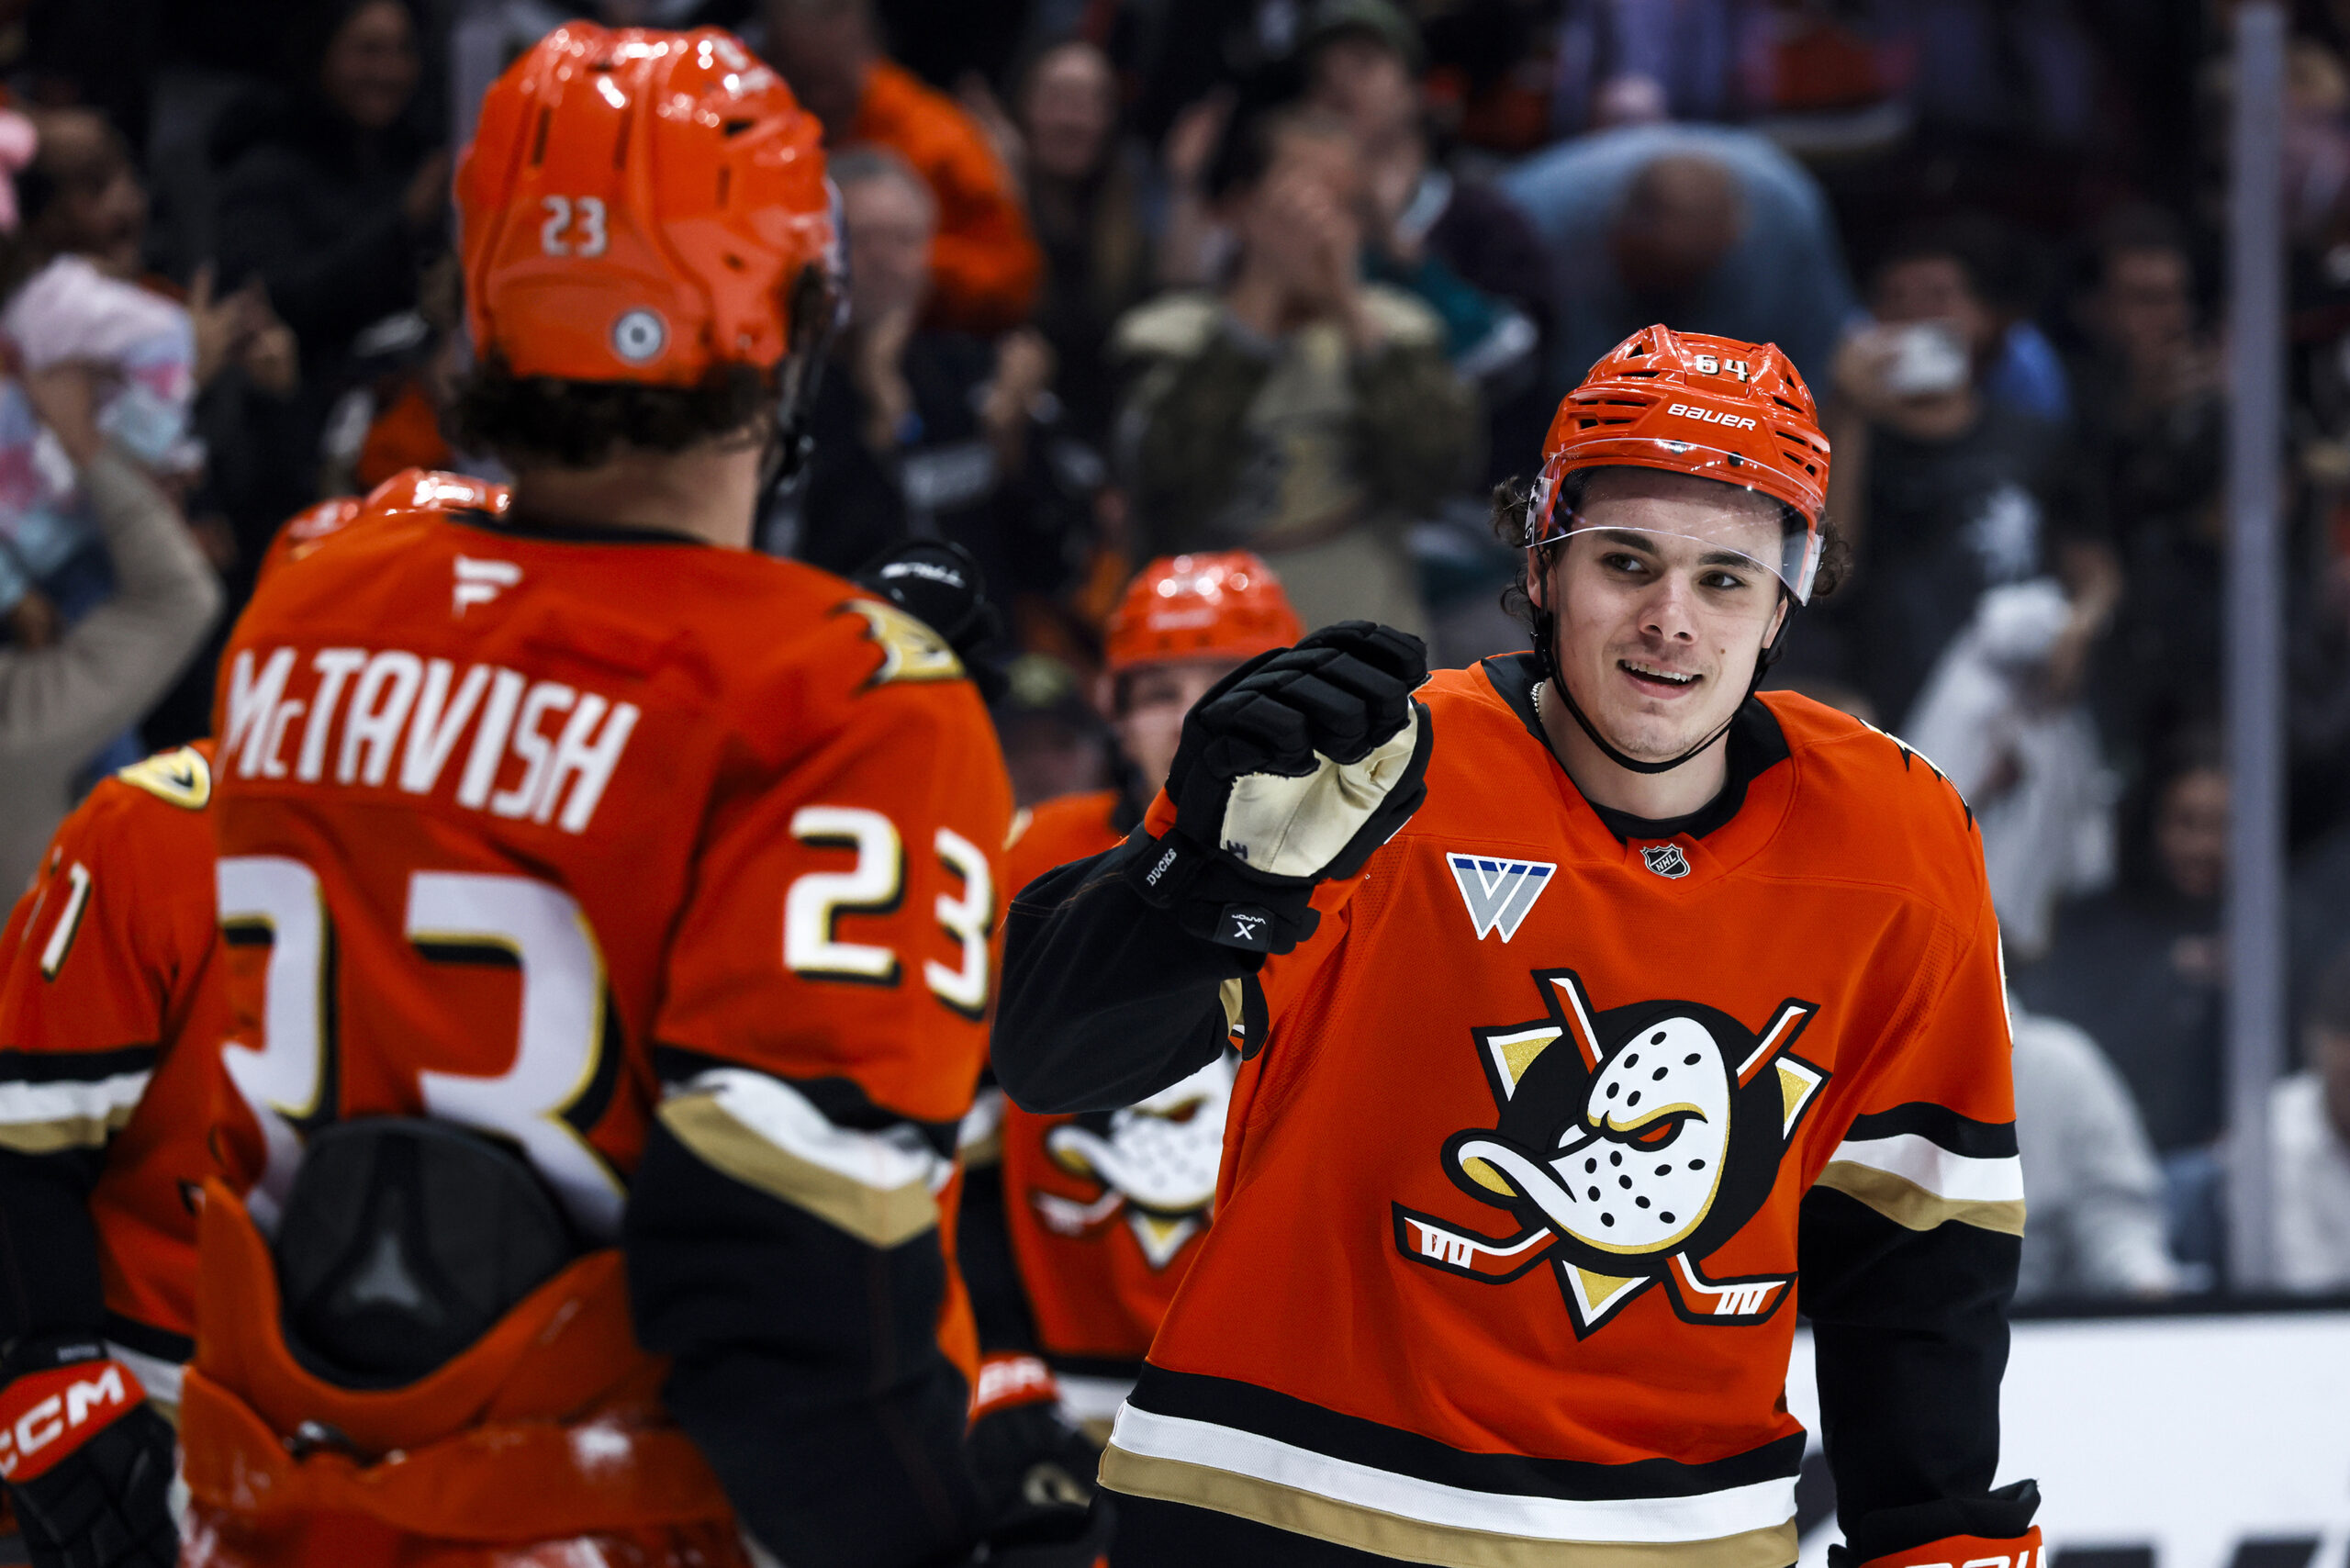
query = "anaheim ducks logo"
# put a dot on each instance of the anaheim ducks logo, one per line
(1156, 1160)
(1628, 1157)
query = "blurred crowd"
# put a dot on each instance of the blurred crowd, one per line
(1133, 277)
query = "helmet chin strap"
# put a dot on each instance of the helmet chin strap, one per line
(1545, 644)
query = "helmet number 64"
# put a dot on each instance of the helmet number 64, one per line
(557, 236)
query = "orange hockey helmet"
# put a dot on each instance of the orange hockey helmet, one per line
(1687, 403)
(1228, 605)
(641, 205)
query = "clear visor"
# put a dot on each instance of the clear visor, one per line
(1792, 559)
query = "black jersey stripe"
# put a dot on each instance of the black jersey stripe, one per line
(1245, 1406)
(74, 1066)
(146, 1339)
(1942, 1125)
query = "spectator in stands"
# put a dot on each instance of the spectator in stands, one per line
(2309, 1146)
(1945, 491)
(2141, 966)
(2153, 427)
(338, 192)
(922, 432)
(2093, 1194)
(984, 264)
(1712, 229)
(1085, 198)
(60, 704)
(1459, 244)
(1302, 413)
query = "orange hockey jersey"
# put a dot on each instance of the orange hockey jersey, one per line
(1104, 1211)
(1550, 1131)
(112, 1010)
(589, 842)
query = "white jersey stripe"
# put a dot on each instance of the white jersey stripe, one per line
(1928, 1166)
(1762, 1505)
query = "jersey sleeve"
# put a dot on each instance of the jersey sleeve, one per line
(820, 1032)
(82, 1019)
(1107, 1000)
(1909, 1242)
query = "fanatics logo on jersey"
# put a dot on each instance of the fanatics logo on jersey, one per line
(478, 582)
(1626, 1157)
(1499, 893)
(1665, 859)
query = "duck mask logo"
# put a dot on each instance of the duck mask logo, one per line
(1156, 1160)
(1628, 1156)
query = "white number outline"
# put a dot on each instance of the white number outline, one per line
(969, 921)
(69, 922)
(560, 210)
(562, 1052)
(273, 900)
(816, 900)
(562, 1041)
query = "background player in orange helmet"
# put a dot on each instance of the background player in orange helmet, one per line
(1590, 999)
(113, 1005)
(609, 912)
(1095, 1218)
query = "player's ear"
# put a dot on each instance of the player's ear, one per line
(1778, 620)
(1538, 577)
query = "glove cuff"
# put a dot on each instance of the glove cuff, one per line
(67, 1392)
(1966, 1552)
(1216, 897)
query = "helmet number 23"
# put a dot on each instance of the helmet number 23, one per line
(575, 226)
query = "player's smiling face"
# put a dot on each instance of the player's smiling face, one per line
(1665, 604)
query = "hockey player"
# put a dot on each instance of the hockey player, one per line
(1102, 1213)
(113, 1005)
(607, 913)
(1607, 1000)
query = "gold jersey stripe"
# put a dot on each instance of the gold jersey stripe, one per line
(65, 1132)
(1413, 1541)
(877, 1216)
(1908, 1204)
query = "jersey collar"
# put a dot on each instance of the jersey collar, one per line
(1757, 743)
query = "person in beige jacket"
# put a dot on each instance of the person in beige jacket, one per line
(58, 704)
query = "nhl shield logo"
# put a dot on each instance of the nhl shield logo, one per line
(1665, 859)
(1648, 1136)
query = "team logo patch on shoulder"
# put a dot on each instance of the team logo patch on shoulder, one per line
(1665, 859)
(1629, 1146)
(911, 651)
(181, 777)
(1499, 893)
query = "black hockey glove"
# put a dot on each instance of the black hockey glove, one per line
(1291, 770)
(88, 1462)
(938, 583)
(1035, 1471)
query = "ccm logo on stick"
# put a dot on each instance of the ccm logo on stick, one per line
(1690, 410)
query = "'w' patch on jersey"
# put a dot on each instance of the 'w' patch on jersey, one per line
(1499, 893)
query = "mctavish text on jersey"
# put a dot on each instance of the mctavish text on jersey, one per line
(348, 715)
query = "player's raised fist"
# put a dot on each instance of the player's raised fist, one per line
(1292, 769)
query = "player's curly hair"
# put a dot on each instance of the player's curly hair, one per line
(576, 424)
(1512, 506)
